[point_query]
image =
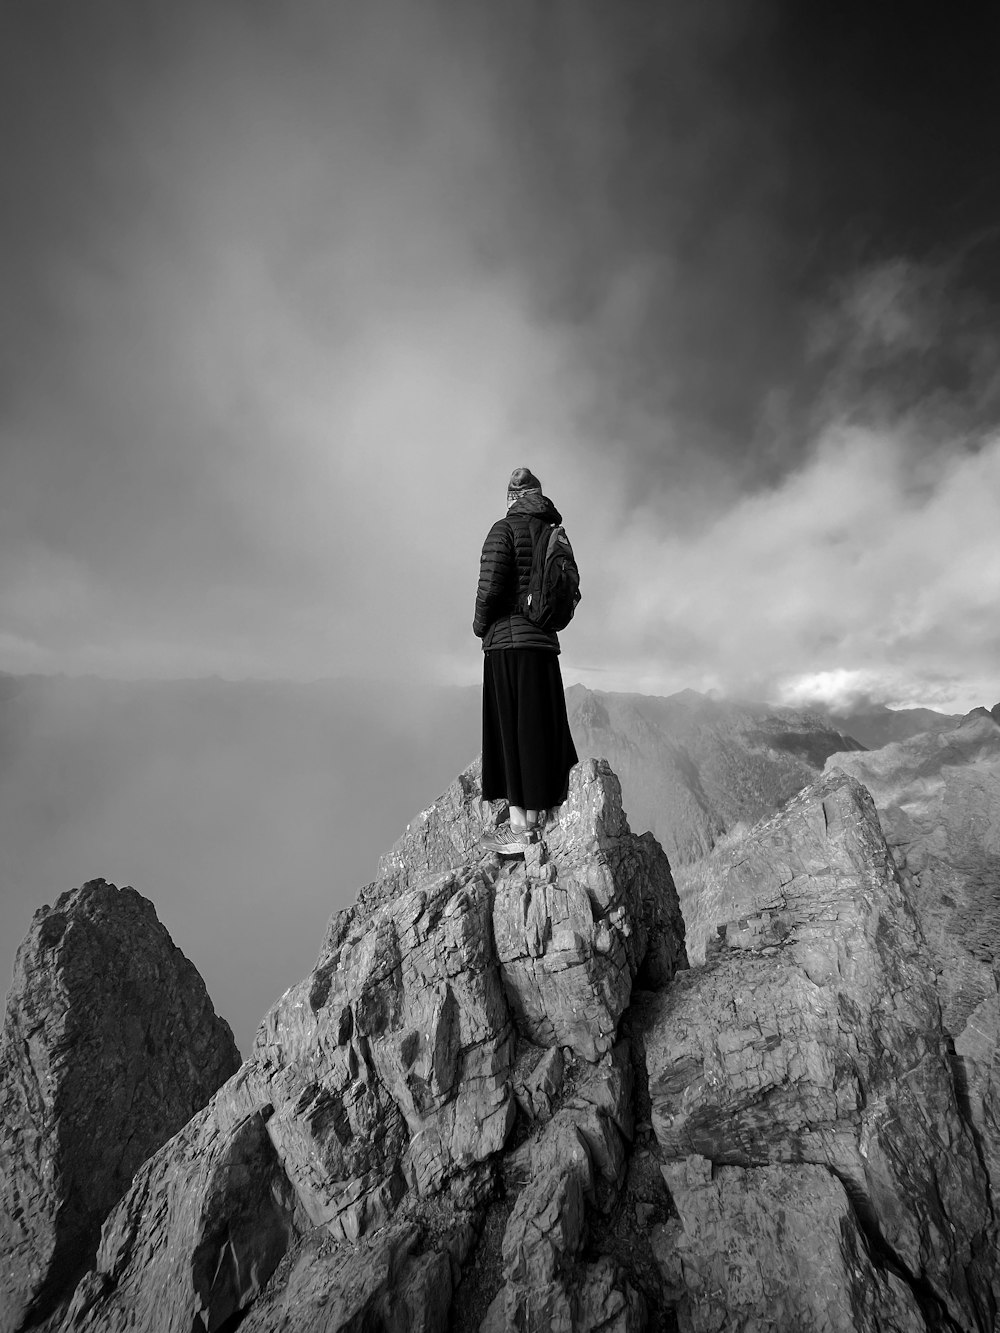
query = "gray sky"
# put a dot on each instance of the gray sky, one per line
(289, 289)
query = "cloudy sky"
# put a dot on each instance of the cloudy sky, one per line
(290, 288)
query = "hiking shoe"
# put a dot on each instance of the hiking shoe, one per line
(509, 841)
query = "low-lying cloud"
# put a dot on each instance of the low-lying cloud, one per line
(860, 573)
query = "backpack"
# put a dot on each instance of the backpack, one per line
(554, 585)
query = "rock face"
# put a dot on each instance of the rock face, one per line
(502, 1101)
(383, 1088)
(110, 1044)
(578, 1156)
(794, 1254)
(802, 1093)
(938, 797)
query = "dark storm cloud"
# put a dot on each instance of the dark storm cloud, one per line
(291, 288)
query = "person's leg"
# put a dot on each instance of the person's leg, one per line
(523, 819)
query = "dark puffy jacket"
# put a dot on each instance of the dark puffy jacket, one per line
(505, 572)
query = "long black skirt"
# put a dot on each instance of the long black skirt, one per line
(527, 747)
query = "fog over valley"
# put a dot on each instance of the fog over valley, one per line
(246, 812)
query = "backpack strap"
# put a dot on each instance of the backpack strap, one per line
(541, 530)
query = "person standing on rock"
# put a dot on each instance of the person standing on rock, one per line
(527, 747)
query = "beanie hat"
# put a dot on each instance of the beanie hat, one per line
(522, 480)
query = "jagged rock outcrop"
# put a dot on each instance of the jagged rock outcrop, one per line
(570, 933)
(803, 1070)
(206, 1221)
(110, 1044)
(382, 1089)
(938, 797)
(501, 1101)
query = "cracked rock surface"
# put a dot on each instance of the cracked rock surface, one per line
(812, 1038)
(381, 1092)
(819, 1272)
(501, 1101)
(938, 797)
(110, 1044)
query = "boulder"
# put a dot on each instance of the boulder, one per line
(110, 1044)
(812, 1036)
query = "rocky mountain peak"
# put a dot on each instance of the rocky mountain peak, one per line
(392, 1076)
(502, 1100)
(110, 1044)
(938, 797)
(803, 1092)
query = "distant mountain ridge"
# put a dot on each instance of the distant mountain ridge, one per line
(692, 767)
(875, 725)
